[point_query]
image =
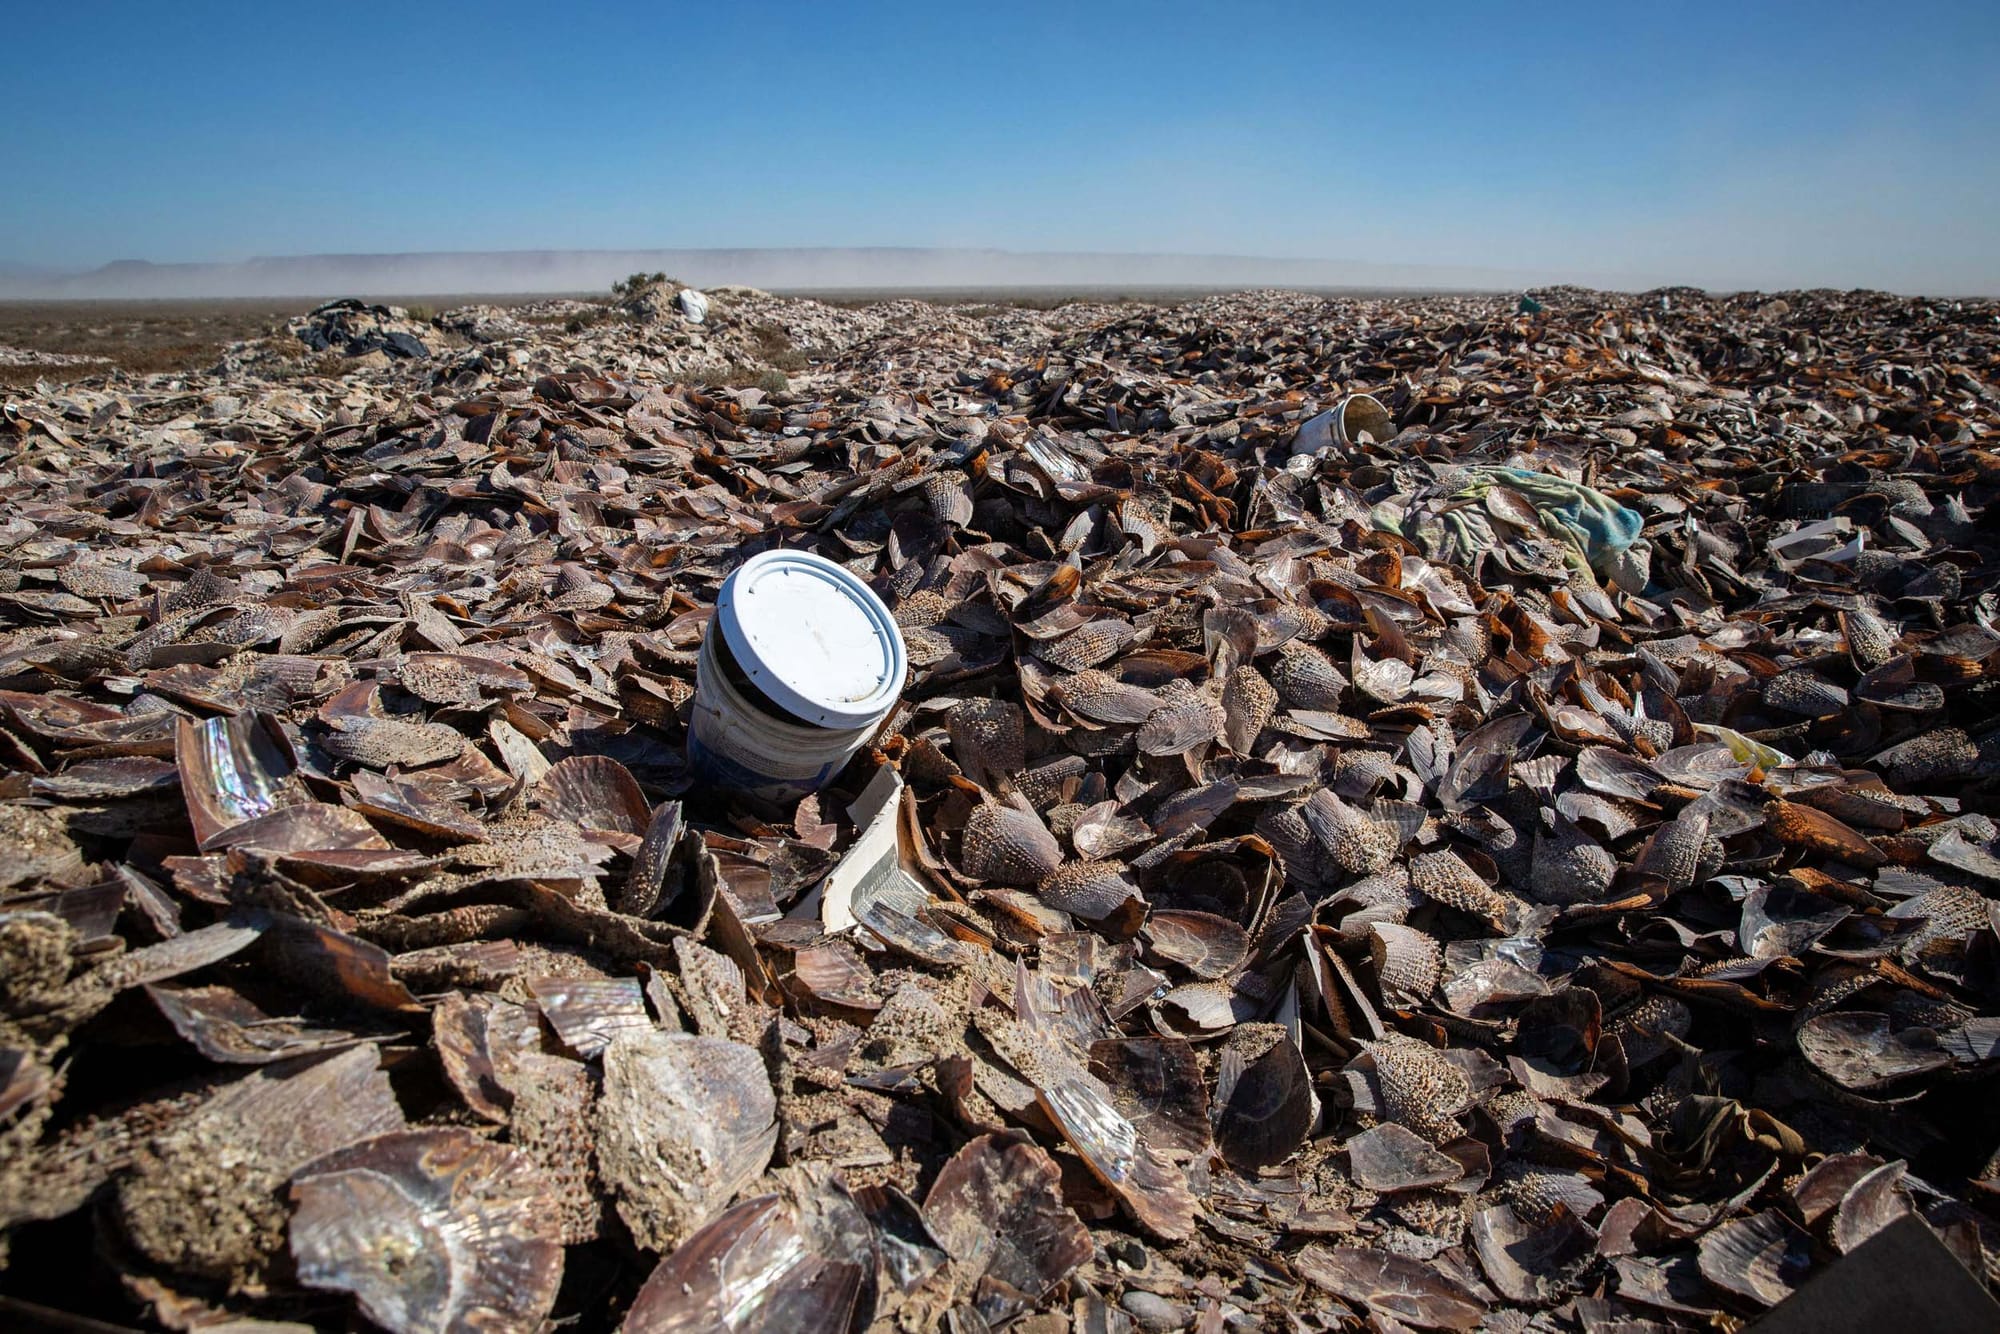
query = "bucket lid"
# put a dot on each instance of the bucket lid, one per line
(813, 637)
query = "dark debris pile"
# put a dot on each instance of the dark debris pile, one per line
(356, 329)
(1538, 871)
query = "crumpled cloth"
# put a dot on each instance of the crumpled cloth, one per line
(1599, 535)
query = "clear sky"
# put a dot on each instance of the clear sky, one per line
(1724, 144)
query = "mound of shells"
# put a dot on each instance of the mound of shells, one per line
(1536, 870)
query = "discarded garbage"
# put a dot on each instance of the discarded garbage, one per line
(1600, 535)
(693, 305)
(355, 329)
(800, 665)
(875, 854)
(1359, 418)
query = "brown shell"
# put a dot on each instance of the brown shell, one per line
(1445, 878)
(1871, 641)
(997, 1209)
(1644, 1029)
(1094, 644)
(1049, 782)
(1206, 945)
(577, 589)
(1568, 865)
(946, 498)
(430, 1229)
(1008, 846)
(684, 1124)
(378, 743)
(802, 1259)
(186, 1207)
(1407, 962)
(922, 609)
(1306, 678)
(1944, 752)
(1800, 826)
(594, 792)
(1612, 773)
(1803, 692)
(1186, 717)
(1286, 830)
(1103, 698)
(1093, 890)
(1350, 838)
(1948, 913)
(1419, 1089)
(1264, 1107)
(232, 770)
(1674, 851)
(439, 678)
(988, 738)
(90, 579)
(1248, 703)
(1541, 1195)
(1894, 685)
(203, 588)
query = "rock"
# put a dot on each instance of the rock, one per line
(1129, 1252)
(1155, 1314)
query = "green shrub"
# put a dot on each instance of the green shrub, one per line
(637, 282)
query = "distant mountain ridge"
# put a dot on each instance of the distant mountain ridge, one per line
(494, 272)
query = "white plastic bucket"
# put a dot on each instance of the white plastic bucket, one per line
(817, 662)
(1343, 426)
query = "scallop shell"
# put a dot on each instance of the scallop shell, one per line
(1408, 963)
(378, 743)
(1805, 693)
(1800, 826)
(1248, 704)
(1306, 678)
(1569, 866)
(988, 739)
(1185, 718)
(430, 1229)
(1942, 753)
(1417, 1087)
(1349, 838)
(1674, 851)
(1105, 699)
(1093, 890)
(91, 579)
(1445, 878)
(1206, 945)
(1008, 846)
(1871, 641)
(1543, 1195)
(1094, 644)
(1644, 1029)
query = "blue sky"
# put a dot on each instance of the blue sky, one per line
(1769, 145)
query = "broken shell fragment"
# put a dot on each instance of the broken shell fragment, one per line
(430, 1230)
(684, 1124)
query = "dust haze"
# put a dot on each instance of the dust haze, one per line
(803, 269)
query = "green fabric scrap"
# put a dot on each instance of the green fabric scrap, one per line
(1601, 535)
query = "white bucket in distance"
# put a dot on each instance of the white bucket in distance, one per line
(1359, 417)
(800, 664)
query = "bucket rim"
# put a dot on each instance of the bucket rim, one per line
(798, 698)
